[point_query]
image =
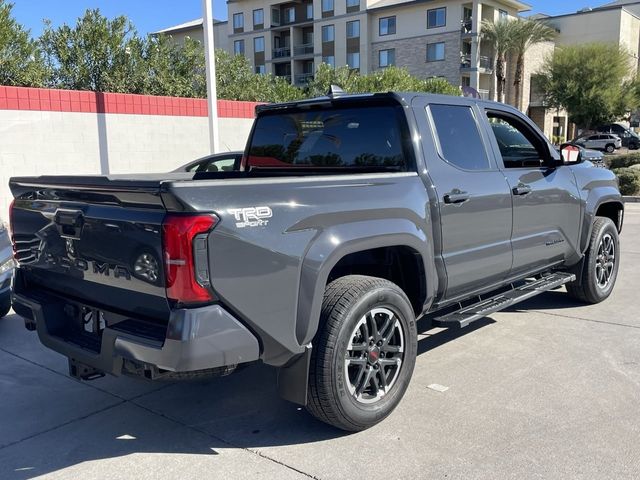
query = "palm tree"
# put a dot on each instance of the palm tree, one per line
(526, 33)
(501, 34)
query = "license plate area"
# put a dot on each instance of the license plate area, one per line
(92, 321)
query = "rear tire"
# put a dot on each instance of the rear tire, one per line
(600, 264)
(363, 354)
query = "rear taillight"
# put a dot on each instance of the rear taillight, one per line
(184, 239)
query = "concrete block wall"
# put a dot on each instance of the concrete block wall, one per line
(59, 132)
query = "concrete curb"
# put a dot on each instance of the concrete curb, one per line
(631, 199)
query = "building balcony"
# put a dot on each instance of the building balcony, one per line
(304, 49)
(304, 78)
(286, 77)
(484, 63)
(282, 52)
(466, 27)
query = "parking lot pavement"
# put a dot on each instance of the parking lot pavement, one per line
(549, 389)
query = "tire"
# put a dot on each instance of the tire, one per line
(592, 287)
(352, 306)
(633, 146)
(5, 306)
(610, 148)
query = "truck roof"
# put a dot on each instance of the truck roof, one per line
(337, 95)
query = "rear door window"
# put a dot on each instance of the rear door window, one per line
(332, 137)
(458, 136)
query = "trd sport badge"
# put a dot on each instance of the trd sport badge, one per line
(251, 216)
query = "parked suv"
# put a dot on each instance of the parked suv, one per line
(351, 217)
(630, 139)
(601, 141)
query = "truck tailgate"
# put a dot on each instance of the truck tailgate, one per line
(94, 239)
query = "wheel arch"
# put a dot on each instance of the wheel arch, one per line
(339, 247)
(607, 203)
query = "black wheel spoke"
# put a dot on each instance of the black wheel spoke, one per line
(390, 348)
(384, 331)
(374, 326)
(360, 347)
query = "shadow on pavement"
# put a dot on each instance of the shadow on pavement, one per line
(556, 299)
(241, 410)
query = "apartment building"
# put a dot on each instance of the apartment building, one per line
(430, 38)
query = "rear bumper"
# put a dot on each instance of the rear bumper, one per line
(196, 339)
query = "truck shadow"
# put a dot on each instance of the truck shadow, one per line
(205, 418)
(556, 299)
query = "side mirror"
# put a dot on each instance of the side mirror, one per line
(571, 154)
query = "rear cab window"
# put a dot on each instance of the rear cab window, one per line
(367, 135)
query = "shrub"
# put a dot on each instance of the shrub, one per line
(628, 180)
(623, 161)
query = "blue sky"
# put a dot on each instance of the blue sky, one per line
(152, 15)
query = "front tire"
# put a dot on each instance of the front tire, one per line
(610, 148)
(363, 354)
(601, 264)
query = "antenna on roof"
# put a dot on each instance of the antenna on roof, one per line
(335, 91)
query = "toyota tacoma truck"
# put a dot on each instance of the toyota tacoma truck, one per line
(351, 217)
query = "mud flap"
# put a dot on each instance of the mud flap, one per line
(293, 378)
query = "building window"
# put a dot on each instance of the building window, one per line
(238, 47)
(436, 17)
(503, 14)
(238, 21)
(258, 44)
(387, 26)
(353, 29)
(353, 5)
(289, 14)
(328, 33)
(387, 58)
(261, 69)
(258, 18)
(309, 11)
(353, 60)
(327, 5)
(435, 52)
(329, 60)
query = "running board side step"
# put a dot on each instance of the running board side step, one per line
(466, 315)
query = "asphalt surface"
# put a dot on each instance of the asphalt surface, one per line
(549, 389)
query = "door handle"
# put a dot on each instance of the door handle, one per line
(456, 197)
(521, 190)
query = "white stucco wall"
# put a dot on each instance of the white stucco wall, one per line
(56, 143)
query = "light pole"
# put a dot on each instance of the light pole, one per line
(209, 55)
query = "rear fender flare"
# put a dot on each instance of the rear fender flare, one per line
(334, 243)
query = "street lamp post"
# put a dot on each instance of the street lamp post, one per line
(209, 54)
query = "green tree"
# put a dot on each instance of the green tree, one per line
(502, 35)
(526, 34)
(595, 83)
(171, 69)
(21, 62)
(236, 81)
(384, 80)
(96, 54)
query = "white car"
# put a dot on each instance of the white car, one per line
(601, 141)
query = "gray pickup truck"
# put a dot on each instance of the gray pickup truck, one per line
(349, 218)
